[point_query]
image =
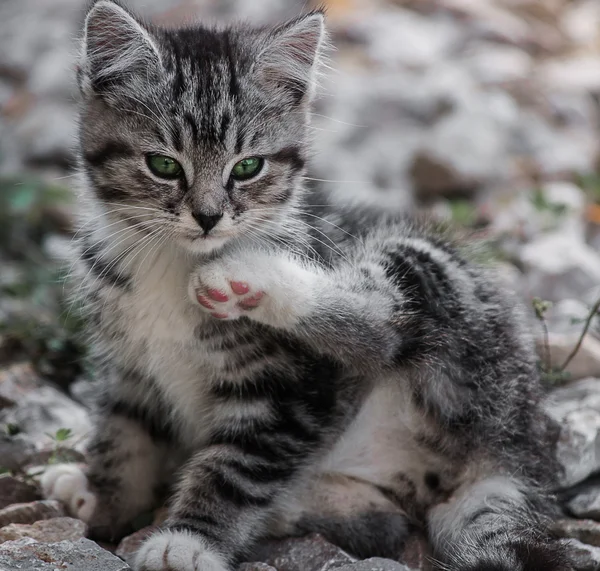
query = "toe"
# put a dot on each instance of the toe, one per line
(217, 295)
(239, 288)
(252, 301)
(204, 301)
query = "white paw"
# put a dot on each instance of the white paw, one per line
(177, 551)
(272, 290)
(68, 484)
(219, 291)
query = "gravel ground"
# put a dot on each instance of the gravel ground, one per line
(484, 113)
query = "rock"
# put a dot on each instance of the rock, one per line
(553, 151)
(493, 64)
(310, 553)
(255, 567)
(577, 74)
(46, 410)
(566, 320)
(130, 544)
(31, 512)
(559, 266)
(30, 555)
(45, 531)
(554, 207)
(583, 557)
(15, 451)
(15, 491)
(584, 530)
(586, 503)
(568, 316)
(425, 40)
(17, 381)
(581, 21)
(576, 408)
(586, 362)
(466, 149)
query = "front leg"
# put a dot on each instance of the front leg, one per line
(271, 288)
(223, 504)
(335, 311)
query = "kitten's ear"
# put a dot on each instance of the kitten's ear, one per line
(292, 54)
(116, 48)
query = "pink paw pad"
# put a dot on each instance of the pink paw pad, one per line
(204, 301)
(239, 288)
(217, 295)
(220, 315)
(252, 301)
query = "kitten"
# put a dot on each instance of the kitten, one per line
(278, 362)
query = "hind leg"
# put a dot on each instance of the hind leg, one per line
(489, 525)
(351, 513)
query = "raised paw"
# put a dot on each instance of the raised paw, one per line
(223, 296)
(177, 551)
(68, 484)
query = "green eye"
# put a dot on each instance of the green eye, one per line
(164, 167)
(247, 168)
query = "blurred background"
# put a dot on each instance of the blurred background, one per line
(481, 112)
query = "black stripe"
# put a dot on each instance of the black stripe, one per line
(109, 193)
(234, 86)
(179, 80)
(239, 141)
(108, 152)
(235, 493)
(189, 119)
(262, 472)
(290, 155)
(225, 122)
(156, 425)
(177, 137)
(91, 256)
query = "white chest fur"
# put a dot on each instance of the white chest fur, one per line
(155, 323)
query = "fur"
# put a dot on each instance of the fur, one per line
(306, 364)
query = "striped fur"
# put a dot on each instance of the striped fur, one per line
(381, 381)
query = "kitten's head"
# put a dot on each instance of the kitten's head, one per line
(200, 132)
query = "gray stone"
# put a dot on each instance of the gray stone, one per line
(466, 149)
(374, 564)
(15, 491)
(310, 553)
(560, 266)
(46, 410)
(14, 451)
(426, 40)
(493, 64)
(576, 408)
(31, 512)
(45, 531)
(30, 555)
(555, 152)
(129, 545)
(585, 363)
(256, 566)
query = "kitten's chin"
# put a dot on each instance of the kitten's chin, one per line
(205, 245)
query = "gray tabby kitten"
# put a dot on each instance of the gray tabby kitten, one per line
(298, 365)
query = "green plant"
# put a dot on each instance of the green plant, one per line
(59, 453)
